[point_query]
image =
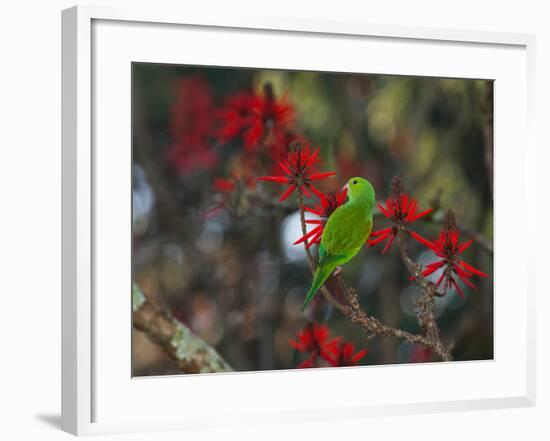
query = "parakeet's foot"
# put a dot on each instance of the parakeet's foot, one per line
(337, 271)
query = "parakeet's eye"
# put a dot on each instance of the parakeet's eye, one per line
(354, 182)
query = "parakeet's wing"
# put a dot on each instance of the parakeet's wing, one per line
(346, 231)
(326, 259)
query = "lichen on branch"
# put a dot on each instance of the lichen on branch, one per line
(189, 352)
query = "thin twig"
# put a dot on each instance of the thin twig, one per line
(425, 305)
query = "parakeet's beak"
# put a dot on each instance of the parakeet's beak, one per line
(345, 187)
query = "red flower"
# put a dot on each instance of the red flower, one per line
(419, 354)
(329, 202)
(229, 185)
(346, 356)
(254, 117)
(224, 185)
(314, 340)
(277, 148)
(448, 249)
(401, 209)
(235, 116)
(298, 171)
(238, 181)
(190, 126)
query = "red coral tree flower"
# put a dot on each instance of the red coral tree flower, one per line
(314, 340)
(298, 172)
(449, 251)
(191, 126)
(224, 185)
(254, 117)
(328, 203)
(401, 209)
(234, 117)
(269, 116)
(277, 148)
(236, 183)
(346, 355)
(420, 354)
(229, 185)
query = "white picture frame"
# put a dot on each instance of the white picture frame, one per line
(94, 391)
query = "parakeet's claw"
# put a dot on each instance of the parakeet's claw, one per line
(337, 271)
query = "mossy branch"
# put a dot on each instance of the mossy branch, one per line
(189, 352)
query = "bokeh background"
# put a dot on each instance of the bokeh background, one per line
(211, 246)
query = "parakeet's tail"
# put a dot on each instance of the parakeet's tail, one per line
(319, 278)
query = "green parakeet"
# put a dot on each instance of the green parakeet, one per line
(346, 231)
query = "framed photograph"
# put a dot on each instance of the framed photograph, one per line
(266, 216)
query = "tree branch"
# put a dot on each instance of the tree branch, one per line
(424, 308)
(190, 353)
(330, 298)
(425, 305)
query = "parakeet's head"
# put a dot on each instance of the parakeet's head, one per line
(360, 188)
